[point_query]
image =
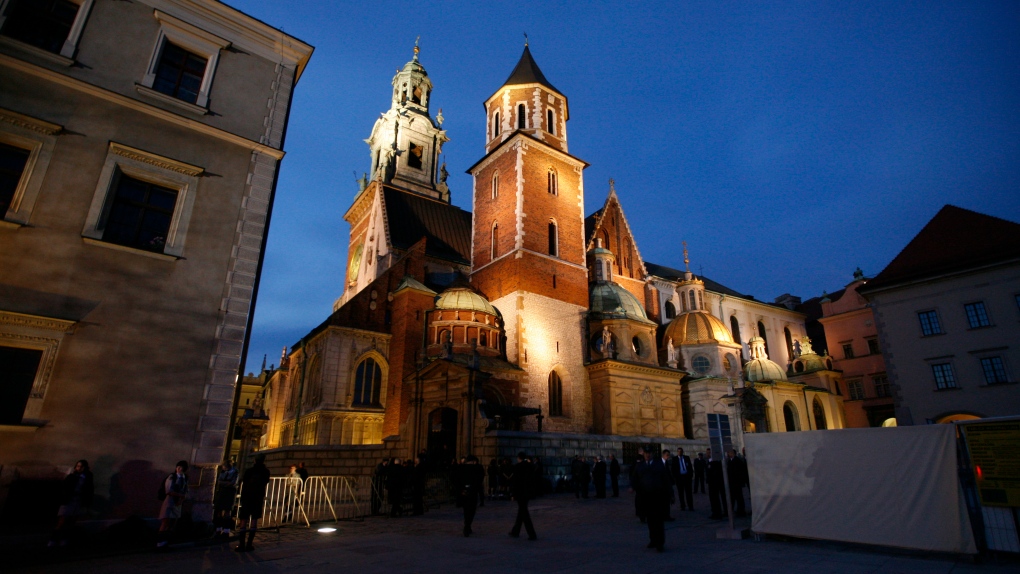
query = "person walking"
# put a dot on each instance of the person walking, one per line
(654, 486)
(76, 493)
(614, 475)
(175, 490)
(471, 478)
(700, 466)
(521, 482)
(253, 498)
(223, 501)
(598, 474)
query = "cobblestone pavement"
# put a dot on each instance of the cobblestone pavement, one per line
(573, 535)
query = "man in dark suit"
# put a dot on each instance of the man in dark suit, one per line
(471, 476)
(521, 482)
(614, 475)
(716, 487)
(654, 488)
(700, 466)
(684, 478)
(598, 474)
(737, 470)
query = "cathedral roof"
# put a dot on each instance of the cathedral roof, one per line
(409, 217)
(464, 299)
(613, 301)
(677, 275)
(527, 72)
(956, 239)
(696, 328)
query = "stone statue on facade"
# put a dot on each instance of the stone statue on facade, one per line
(671, 358)
(607, 341)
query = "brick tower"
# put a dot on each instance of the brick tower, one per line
(527, 252)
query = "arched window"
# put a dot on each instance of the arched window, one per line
(819, 415)
(495, 124)
(605, 239)
(790, 417)
(495, 185)
(554, 240)
(735, 329)
(691, 295)
(683, 302)
(549, 123)
(670, 310)
(789, 343)
(495, 240)
(761, 333)
(367, 384)
(555, 395)
(521, 117)
(553, 183)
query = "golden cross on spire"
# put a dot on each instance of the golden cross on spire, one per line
(416, 49)
(687, 261)
(525, 39)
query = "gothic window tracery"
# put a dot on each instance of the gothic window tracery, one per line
(367, 384)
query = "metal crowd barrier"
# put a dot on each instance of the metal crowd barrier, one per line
(291, 501)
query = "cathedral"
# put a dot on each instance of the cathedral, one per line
(524, 316)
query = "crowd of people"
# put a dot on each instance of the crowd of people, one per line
(402, 484)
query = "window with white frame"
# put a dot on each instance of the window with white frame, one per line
(28, 352)
(26, 146)
(143, 202)
(52, 26)
(182, 64)
(550, 125)
(522, 117)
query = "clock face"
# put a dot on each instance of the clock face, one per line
(355, 266)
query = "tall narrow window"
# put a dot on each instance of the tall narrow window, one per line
(761, 333)
(683, 302)
(367, 384)
(140, 214)
(553, 239)
(555, 395)
(12, 165)
(495, 240)
(701, 300)
(495, 124)
(521, 117)
(789, 343)
(495, 185)
(553, 183)
(414, 153)
(670, 310)
(819, 413)
(19, 372)
(693, 304)
(549, 123)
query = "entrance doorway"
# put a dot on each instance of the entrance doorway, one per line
(442, 441)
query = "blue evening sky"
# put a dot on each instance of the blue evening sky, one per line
(787, 143)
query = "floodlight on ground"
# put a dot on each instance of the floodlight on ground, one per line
(327, 530)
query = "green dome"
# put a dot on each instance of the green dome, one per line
(613, 301)
(464, 299)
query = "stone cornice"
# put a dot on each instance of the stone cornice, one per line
(356, 212)
(36, 322)
(613, 364)
(30, 123)
(155, 160)
(138, 106)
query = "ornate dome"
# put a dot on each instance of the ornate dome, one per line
(760, 368)
(696, 328)
(614, 302)
(808, 360)
(464, 299)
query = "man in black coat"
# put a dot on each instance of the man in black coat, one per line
(700, 466)
(654, 488)
(584, 477)
(716, 487)
(253, 497)
(378, 484)
(683, 476)
(639, 507)
(614, 475)
(521, 482)
(598, 474)
(737, 470)
(471, 477)
(395, 486)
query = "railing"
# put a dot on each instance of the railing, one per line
(291, 501)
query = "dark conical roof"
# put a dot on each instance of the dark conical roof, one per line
(527, 72)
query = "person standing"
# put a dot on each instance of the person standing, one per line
(378, 484)
(253, 498)
(638, 499)
(521, 482)
(667, 463)
(302, 471)
(175, 487)
(614, 475)
(716, 487)
(700, 466)
(418, 488)
(737, 470)
(223, 502)
(471, 478)
(598, 474)
(584, 476)
(654, 487)
(77, 492)
(684, 480)
(395, 486)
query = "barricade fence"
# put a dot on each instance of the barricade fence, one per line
(291, 501)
